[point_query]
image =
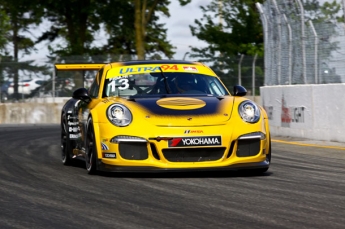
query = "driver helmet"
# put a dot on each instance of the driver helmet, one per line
(184, 83)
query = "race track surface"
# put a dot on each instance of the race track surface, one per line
(304, 188)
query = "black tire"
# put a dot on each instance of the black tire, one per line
(66, 149)
(261, 170)
(268, 159)
(90, 149)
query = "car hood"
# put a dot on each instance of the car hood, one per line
(183, 111)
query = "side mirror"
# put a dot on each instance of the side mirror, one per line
(239, 91)
(82, 94)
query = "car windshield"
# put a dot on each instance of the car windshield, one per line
(151, 84)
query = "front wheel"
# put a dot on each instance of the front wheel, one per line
(268, 159)
(261, 170)
(91, 151)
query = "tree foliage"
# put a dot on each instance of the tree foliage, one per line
(22, 15)
(4, 29)
(135, 30)
(231, 29)
(131, 27)
(74, 22)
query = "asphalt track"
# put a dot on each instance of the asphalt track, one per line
(304, 188)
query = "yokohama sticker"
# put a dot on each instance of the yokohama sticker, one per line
(196, 141)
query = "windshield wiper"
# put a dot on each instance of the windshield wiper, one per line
(167, 88)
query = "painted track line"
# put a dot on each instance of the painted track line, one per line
(307, 144)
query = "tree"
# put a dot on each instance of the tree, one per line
(145, 16)
(75, 21)
(137, 30)
(4, 29)
(21, 16)
(131, 27)
(231, 28)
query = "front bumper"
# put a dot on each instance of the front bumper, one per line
(240, 147)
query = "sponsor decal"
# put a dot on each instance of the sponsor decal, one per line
(291, 114)
(72, 123)
(104, 146)
(166, 67)
(74, 136)
(212, 105)
(72, 118)
(190, 69)
(143, 69)
(193, 131)
(74, 129)
(196, 141)
(109, 155)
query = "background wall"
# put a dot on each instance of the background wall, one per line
(306, 111)
(45, 111)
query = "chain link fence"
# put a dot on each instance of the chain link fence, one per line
(304, 44)
(45, 85)
(304, 41)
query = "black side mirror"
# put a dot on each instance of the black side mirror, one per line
(239, 91)
(82, 94)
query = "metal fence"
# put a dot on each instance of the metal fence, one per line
(242, 70)
(304, 44)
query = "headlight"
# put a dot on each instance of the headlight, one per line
(119, 115)
(249, 111)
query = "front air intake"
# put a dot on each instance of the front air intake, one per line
(133, 150)
(194, 154)
(248, 147)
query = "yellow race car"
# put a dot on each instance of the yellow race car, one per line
(162, 115)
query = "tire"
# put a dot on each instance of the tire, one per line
(268, 159)
(90, 149)
(66, 149)
(261, 170)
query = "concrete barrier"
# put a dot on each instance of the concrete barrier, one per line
(41, 110)
(45, 110)
(306, 111)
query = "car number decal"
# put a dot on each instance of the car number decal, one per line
(122, 84)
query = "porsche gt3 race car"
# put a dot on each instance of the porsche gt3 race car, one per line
(162, 116)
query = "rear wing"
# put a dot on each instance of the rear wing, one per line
(78, 67)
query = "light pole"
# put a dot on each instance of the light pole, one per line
(184, 56)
